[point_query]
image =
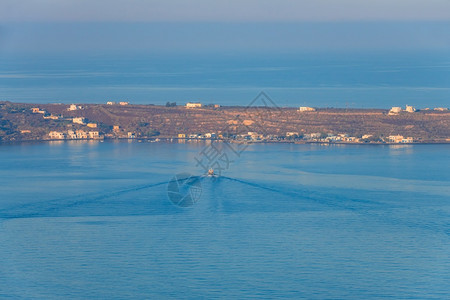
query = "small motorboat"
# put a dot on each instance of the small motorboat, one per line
(211, 173)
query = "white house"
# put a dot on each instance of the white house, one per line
(81, 134)
(93, 134)
(410, 109)
(288, 134)
(71, 135)
(395, 110)
(56, 135)
(306, 108)
(193, 105)
(72, 107)
(79, 120)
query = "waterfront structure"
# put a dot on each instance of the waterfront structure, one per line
(193, 105)
(407, 140)
(131, 135)
(124, 103)
(81, 134)
(110, 103)
(400, 139)
(441, 109)
(395, 138)
(306, 108)
(56, 135)
(80, 120)
(71, 135)
(210, 135)
(181, 136)
(288, 134)
(93, 134)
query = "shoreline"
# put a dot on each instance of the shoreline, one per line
(178, 141)
(255, 124)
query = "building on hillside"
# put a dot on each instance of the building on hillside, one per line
(288, 134)
(306, 108)
(395, 110)
(73, 107)
(193, 105)
(116, 128)
(80, 120)
(37, 110)
(51, 117)
(92, 125)
(410, 109)
(56, 135)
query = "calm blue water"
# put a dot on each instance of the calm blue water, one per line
(366, 80)
(93, 220)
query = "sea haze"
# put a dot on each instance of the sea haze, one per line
(90, 219)
(323, 79)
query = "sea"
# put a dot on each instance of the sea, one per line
(97, 219)
(352, 79)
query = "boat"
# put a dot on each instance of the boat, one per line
(211, 173)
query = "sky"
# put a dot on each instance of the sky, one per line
(223, 10)
(86, 50)
(232, 26)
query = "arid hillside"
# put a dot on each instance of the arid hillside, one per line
(18, 122)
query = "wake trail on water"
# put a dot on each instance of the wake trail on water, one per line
(365, 208)
(303, 194)
(43, 208)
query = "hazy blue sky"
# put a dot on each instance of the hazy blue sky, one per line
(230, 26)
(223, 10)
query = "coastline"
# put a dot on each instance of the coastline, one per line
(255, 124)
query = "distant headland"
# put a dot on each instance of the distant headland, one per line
(195, 121)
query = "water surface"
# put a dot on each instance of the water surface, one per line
(92, 219)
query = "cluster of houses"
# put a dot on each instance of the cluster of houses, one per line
(411, 109)
(75, 135)
(306, 109)
(123, 103)
(45, 115)
(396, 110)
(295, 136)
(200, 105)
